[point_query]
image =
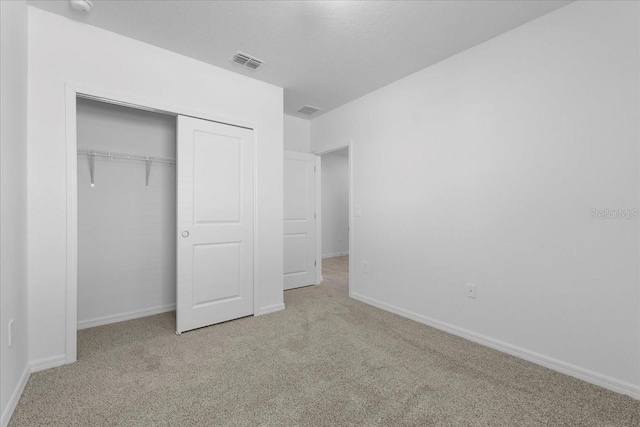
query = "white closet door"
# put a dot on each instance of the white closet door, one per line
(215, 223)
(299, 220)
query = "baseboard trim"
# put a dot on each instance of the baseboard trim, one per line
(15, 397)
(48, 363)
(106, 320)
(270, 309)
(589, 376)
(333, 255)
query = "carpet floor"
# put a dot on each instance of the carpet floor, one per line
(326, 360)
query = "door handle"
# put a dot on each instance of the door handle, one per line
(185, 234)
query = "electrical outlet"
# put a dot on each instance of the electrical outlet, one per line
(365, 266)
(9, 332)
(471, 290)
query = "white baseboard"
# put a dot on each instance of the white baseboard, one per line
(99, 321)
(589, 376)
(333, 255)
(47, 363)
(35, 366)
(270, 309)
(15, 397)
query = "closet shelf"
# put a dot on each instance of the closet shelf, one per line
(147, 159)
(98, 153)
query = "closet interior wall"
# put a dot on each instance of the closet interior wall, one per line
(126, 230)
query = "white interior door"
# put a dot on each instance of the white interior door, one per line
(299, 219)
(215, 223)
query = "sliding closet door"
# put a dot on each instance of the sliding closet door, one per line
(215, 223)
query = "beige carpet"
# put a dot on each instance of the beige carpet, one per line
(325, 360)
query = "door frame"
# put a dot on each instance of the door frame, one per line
(74, 90)
(320, 153)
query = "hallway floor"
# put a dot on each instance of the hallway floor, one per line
(335, 274)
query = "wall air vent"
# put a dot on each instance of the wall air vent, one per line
(308, 110)
(247, 60)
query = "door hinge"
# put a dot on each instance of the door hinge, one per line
(314, 168)
(314, 215)
(315, 263)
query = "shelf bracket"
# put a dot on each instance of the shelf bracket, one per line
(92, 168)
(148, 164)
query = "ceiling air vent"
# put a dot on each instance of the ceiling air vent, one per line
(247, 60)
(308, 110)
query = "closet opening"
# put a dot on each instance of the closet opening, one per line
(162, 214)
(126, 214)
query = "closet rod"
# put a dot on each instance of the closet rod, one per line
(113, 155)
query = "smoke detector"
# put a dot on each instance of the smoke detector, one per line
(248, 61)
(308, 110)
(82, 5)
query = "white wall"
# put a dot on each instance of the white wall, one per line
(484, 168)
(335, 203)
(63, 51)
(126, 231)
(297, 134)
(13, 203)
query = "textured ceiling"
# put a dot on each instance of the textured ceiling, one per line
(322, 53)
